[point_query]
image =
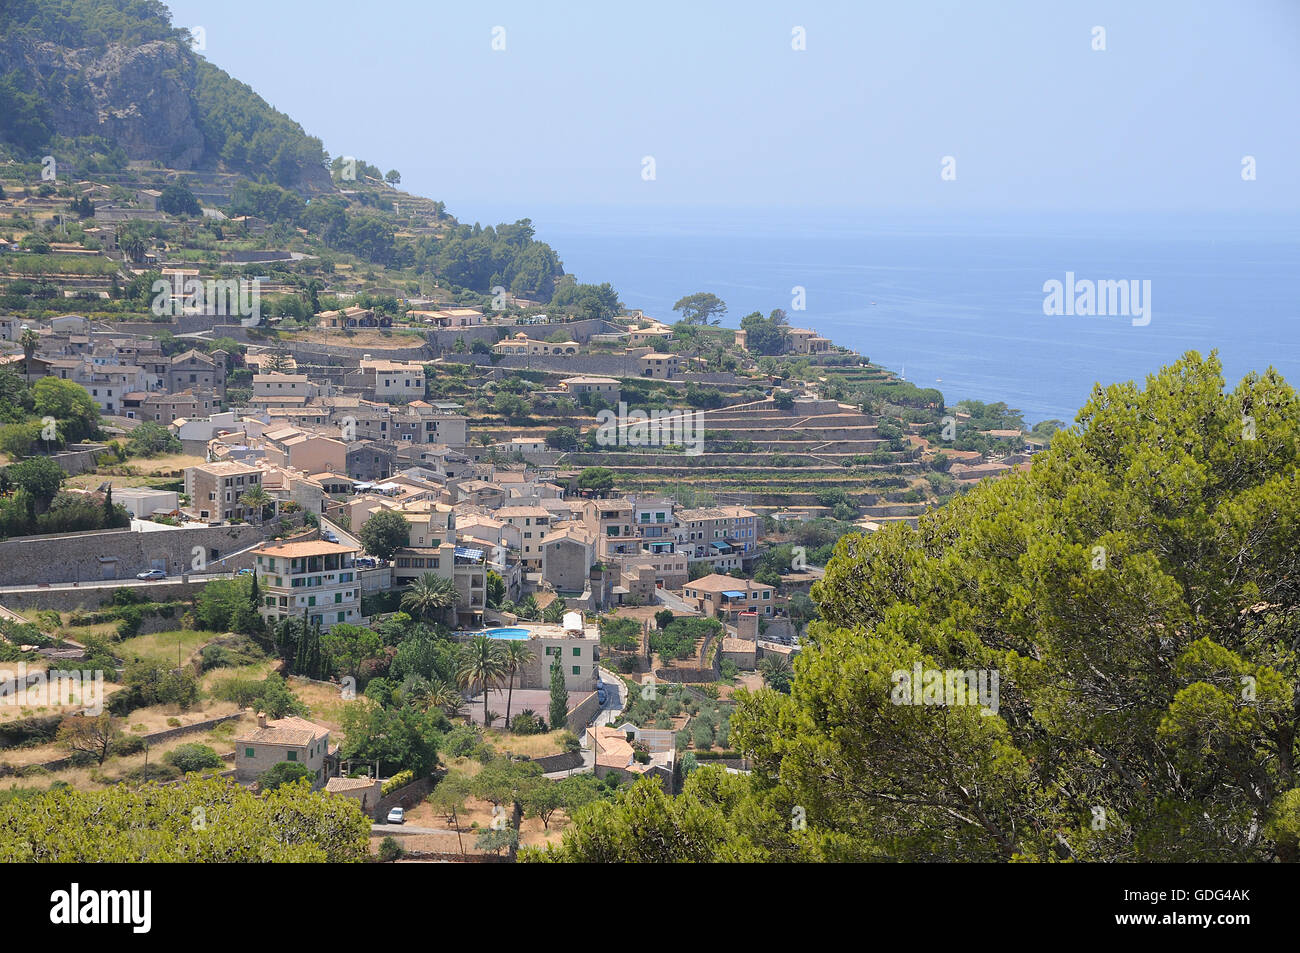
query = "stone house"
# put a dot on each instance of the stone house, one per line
(291, 739)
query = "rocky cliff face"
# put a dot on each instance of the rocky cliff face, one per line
(139, 96)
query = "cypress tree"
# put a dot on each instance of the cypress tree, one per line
(559, 694)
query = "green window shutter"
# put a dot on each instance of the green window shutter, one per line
(577, 670)
(248, 753)
(577, 653)
(293, 756)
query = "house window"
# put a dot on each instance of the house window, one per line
(577, 670)
(577, 653)
(249, 753)
(293, 756)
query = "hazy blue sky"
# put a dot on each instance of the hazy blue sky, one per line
(733, 116)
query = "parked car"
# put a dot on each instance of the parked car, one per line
(244, 572)
(151, 574)
(600, 695)
(328, 536)
(397, 816)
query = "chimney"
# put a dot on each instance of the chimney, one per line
(261, 719)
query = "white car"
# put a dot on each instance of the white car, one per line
(396, 816)
(151, 574)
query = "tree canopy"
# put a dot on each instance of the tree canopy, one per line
(197, 821)
(384, 532)
(701, 308)
(1135, 593)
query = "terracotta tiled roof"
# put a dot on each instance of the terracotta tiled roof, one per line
(315, 547)
(292, 731)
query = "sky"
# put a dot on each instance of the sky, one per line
(1034, 117)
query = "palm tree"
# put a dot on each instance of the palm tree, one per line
(256, 498)
(527, 609)
(447, 697)
(483, 666)
(515, 658)
(776, 672)
(29, 341)
(554, 612)
(430, 595)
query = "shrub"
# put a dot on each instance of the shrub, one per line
(527, 723)
(128, 744)
(193, 757)
(462, 741)
(286, 772)
(390, 850)
(400, 779)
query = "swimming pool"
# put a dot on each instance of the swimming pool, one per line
(511, 634)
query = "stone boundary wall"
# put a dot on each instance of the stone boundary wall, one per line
(406, 796)
(580, 331)
(560, 762)
(75, 557)
(686, 675)
(93, 598)
(581, 715)
(454, 856)
(165, 734)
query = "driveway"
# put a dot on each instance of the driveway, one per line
(615, 692)
(381, 828)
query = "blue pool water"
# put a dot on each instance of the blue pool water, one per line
(511, 634)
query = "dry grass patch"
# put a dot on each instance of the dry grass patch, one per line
(162, 647)
(325, 702)
(211, 680)
(534, 746)
(19, 712)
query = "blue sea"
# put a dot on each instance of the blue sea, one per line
(957, 304)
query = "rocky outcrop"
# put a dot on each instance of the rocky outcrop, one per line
(138, 96)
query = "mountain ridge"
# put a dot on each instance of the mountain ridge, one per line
(85, 76)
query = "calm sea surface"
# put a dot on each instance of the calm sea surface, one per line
(958, 305)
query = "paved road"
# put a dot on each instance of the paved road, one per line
(379, 828)
(615, 692)
(115, 583)
(673, 602)
(346, 538)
